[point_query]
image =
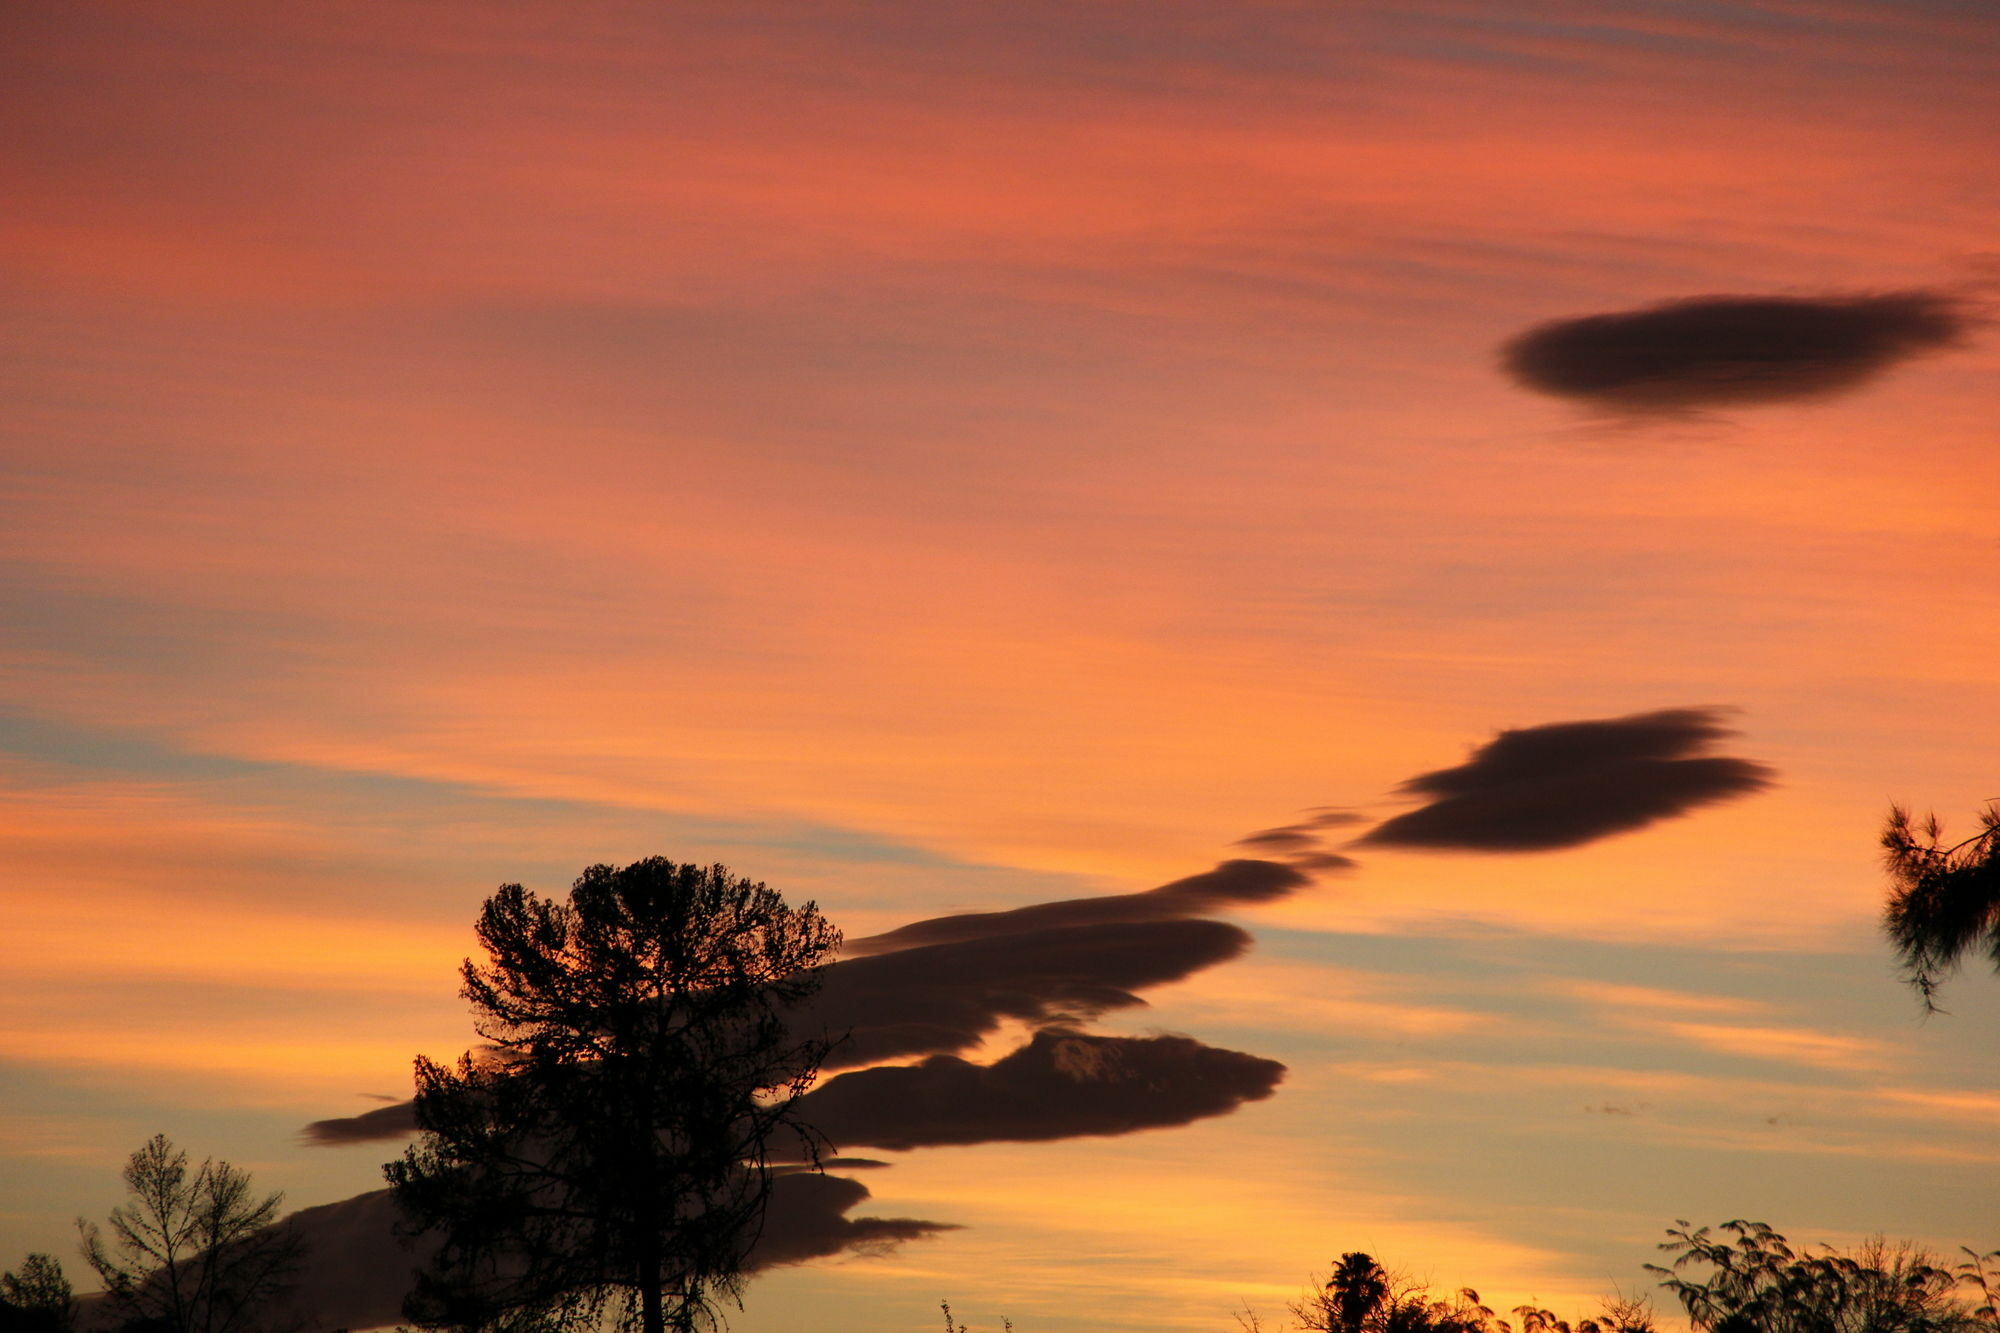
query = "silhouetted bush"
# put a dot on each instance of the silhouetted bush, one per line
(1360, 1296)
(1748, 1279)
(37, 1298)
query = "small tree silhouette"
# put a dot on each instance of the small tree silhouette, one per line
(192, 1252)
(1360, 1296)
(37, 1298)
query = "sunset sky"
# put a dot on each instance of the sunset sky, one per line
(948, 457)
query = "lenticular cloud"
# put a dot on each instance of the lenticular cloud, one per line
(1537, 789)
(1711, 351)
(935, 988)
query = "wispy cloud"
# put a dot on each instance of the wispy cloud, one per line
(1976, 1107)
(1343, 1003)
(1789, 1045)
(1667, 1012)
(1620, 996)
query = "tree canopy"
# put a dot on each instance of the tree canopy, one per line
(607, 1151)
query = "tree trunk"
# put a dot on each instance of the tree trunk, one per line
(652, 1311)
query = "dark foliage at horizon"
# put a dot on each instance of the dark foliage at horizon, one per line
(1563, 784)
(1944, 899)
(1749, 1279)
(1361, 1296)
(1707, 351)
(37, 1298)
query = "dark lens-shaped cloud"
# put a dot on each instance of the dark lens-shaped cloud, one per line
(1716, 350)
(1541, 788)
(1060, 1085)
(807, 1219)
(1228, 884)
(943, 998)
(1287, 838)
(384, 1122)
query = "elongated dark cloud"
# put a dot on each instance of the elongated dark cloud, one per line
(358, 1269)
(943, 998)
(1060, 1085)
(1717, 350)
(1300, 842)
(808, 1220)
(384, 1122)
(1287, 838)
(1540, 788)
(1228, 884)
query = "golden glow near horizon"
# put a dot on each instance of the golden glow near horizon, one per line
(950, 458)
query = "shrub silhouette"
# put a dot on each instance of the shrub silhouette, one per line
(1757, 1283)
(1746, 1279)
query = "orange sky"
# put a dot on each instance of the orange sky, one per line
(949, 457)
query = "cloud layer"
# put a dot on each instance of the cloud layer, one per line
(1567, 783)
(359, 1269)
(933, 988)
(946, 997)
(1228, 884)
(1060, 1085)
(1717, 350)
(940, 986)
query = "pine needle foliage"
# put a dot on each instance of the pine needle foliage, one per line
(1945, 898)
(606, 1156)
